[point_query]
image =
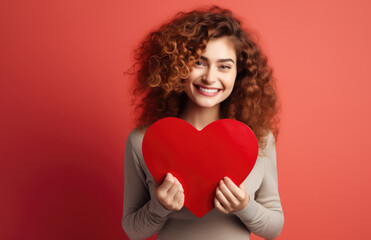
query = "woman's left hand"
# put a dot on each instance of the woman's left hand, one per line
(229, 197)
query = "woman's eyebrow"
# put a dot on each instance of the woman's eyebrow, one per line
(219, 60)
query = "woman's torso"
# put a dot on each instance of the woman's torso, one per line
(184, 224)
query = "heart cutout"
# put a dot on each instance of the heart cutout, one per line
(200, 159)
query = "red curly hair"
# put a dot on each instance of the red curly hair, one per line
(165, 58)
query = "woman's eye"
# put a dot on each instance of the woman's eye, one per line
(225, 67)
(199, 63)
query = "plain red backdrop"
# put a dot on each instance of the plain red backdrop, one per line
(65, 112)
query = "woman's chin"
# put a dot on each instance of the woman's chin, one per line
(207, 104)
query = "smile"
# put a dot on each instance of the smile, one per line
(207, 91)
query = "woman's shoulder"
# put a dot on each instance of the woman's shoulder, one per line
(271, 140)
(136, 136)
(269, 144)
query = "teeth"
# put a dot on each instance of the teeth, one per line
(208, 90)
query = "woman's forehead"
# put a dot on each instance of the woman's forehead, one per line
(220, 48)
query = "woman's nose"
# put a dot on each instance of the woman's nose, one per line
(210, 76)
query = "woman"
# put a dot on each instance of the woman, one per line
(202, 67)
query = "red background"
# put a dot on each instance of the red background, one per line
(65, 112)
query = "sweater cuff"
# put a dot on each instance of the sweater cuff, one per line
(249, 212)
(157, 208)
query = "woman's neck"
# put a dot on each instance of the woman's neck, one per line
(200, 117)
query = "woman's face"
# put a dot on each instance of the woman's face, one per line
(213, 75)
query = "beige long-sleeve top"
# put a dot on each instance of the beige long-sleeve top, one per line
(145, 216)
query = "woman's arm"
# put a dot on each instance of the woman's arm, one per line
(143, 216)
(263, 215)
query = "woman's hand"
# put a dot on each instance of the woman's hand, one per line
(229, 197)
(170, 193)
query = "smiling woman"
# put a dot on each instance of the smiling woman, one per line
(202, 67)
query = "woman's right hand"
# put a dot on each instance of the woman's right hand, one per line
(170, 193)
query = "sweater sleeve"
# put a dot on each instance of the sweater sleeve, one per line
(143, 216)
(263, 215)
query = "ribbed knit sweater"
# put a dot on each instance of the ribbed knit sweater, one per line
(145, 216)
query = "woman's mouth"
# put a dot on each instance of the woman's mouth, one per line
(210, 92)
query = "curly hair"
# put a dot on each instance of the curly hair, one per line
(165, 58)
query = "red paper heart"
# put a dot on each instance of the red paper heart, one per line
(200, 159)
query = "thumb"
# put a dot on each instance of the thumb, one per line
(156, 184)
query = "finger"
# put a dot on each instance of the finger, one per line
(167, 183)
(180, 192)
(174, 189)
(222, 199)
(242, 187)
(219, 206)
(236, 191)
(176, 180)
(179, 198)
(228, 194)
